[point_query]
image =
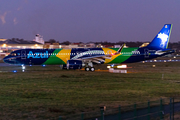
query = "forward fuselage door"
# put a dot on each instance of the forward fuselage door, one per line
(23, 54)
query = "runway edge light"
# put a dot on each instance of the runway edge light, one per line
(122, 66)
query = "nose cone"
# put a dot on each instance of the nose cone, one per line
(9, 60)
(6, 59)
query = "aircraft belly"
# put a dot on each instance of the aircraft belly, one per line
(132, 59)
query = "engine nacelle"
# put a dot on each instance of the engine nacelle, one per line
(74, 64)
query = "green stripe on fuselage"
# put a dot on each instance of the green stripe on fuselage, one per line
(53, 60)
(125, 54)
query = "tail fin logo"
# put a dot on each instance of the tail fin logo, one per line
(164, 39)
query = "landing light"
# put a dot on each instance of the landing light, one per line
(122, 66)
(23, 67)
(119, 66)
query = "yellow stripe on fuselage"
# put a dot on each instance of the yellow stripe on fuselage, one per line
(109, 51)
(64, 55)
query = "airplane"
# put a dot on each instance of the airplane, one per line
(77, 58)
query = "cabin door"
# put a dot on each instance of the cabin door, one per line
(23, 54)
(146, 53)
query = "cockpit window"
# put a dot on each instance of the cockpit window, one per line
(13, 54)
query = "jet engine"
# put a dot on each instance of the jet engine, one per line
(74, 64)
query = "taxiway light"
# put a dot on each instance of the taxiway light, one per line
(112, 65)
(108, 66)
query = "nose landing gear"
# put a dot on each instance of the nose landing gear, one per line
(23, 68)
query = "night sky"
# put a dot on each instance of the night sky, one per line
(88, 20)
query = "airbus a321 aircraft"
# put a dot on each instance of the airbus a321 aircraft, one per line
(76, 58)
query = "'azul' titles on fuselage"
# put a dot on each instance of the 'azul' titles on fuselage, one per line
(37, 54)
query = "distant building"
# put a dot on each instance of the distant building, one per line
(39, 39)
(117, 46)
(3, 39)
(46, 45)
(82, 45)
(54, 46)
(99, 45)
(144, 44)
(73, 46)
(108, 46)
(9, 45)
(90, 45)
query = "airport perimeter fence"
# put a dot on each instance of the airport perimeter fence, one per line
(167, 108)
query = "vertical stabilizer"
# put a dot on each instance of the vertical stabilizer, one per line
(162, 38)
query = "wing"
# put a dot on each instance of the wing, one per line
(98, 59)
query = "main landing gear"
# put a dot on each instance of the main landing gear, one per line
(89, 67)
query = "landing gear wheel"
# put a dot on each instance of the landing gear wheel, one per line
(92, 69)
(87, 69)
